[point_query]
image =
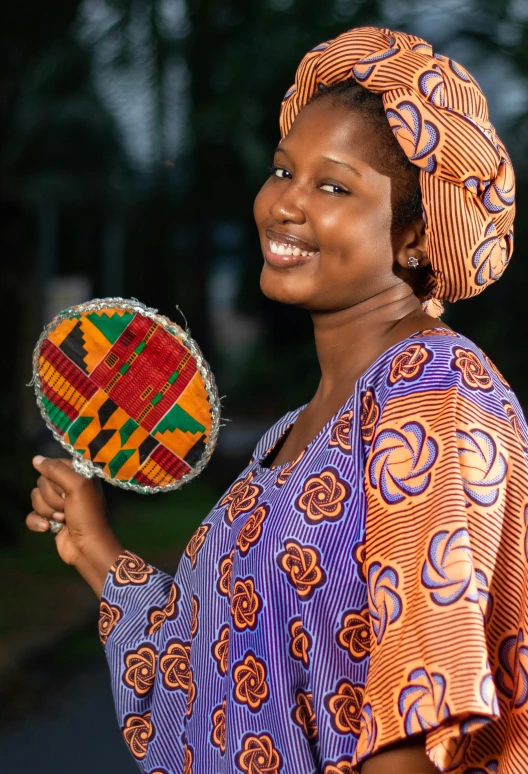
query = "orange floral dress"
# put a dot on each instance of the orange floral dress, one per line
(373, 589)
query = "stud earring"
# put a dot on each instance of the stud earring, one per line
(413, 262)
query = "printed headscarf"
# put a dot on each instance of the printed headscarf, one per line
(439, 116)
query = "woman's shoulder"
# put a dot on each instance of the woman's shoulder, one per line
(275, 432)
(435, 358)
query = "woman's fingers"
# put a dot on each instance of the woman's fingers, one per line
(49, 493)
(36, 523)
(40, 506)
(58, 472)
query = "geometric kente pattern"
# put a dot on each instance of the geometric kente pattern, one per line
(126, 394)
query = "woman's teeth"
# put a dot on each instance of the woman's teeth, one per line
(281, 249)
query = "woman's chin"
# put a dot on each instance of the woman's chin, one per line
(284, 287)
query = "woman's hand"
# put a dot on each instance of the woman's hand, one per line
(86, 541)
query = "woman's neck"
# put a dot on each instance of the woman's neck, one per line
(350, 340)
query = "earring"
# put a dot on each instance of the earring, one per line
(413, 262)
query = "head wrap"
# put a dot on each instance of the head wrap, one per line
(439, 116)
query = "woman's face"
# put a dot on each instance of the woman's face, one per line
(324, 214)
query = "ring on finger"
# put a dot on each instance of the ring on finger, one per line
(55, 526)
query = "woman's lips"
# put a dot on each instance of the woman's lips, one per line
(283, 255)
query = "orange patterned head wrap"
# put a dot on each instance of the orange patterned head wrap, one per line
(439, 116)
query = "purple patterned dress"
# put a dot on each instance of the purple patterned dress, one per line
(330, 606)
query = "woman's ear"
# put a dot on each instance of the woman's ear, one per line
(410, 246)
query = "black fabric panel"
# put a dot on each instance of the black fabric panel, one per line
(106, 411)
(73, 347)
(194, 454)
(99, 441)
(147, 447)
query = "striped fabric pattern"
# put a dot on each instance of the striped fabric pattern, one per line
(374, 588)
(439, 115)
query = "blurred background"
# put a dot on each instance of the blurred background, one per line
(134, 137)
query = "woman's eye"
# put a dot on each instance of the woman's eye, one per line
(280, 172)
(331, 188)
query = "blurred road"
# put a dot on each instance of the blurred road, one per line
(75, 730)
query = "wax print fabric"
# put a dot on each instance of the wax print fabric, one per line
(439, 115)
(127, 393)
(372, 589)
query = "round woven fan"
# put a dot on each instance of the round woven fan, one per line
(128, 393)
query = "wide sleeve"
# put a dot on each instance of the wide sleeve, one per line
(446, 489)
(136, 602)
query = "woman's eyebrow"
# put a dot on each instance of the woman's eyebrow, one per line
(326, 158)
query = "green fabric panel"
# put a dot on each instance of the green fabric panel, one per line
(173, 377)
(140, 347)
(156, 398)
(119, 460)
(80, 424)
(56, 416)
(124, 368)
(178, 418)
(126, 431)
(111, 324)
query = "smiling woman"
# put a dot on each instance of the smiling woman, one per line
(357, 600)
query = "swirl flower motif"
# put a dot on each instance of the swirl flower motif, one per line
(342, 766)
(401, 462)
(109, 617)
(196, 542)
(515, 422)
(138, 731)
(368, 732)
(422, 703)
(158, 615)
(245, 604)
(448, 569)
(242, 497)
(303, 714)
(482, 466)
(129, 569)
(250, 686)
(526, 531)
(252, 529)
(433, 332)
(140, 669)
(370, 413)
(300, 641)
(285, 473)
(225, 572)
(195, 609)
(417, 135)
(490, 257)
(191, 696)
(359, 555)
(323, 497)
(492, 367)
(220, 651)
(345, 706)
(385, 603)
(354, 634)
(259, 755)
(488, 694)
(409, 364)
(511, 677)
(218, 733)
(474, 375)
(340, 434)
(175, 665)
(302, 565)
(188, 759)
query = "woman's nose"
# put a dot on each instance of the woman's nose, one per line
(288, 208)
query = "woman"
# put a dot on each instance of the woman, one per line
(357, 600)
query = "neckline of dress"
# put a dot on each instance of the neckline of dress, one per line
(292, 415)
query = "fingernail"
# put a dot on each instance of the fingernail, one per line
(39, 459)
(63, 495)
(43, 525)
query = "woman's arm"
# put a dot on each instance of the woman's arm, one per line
(406, 757)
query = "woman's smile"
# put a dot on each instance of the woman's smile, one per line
(284, 251)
